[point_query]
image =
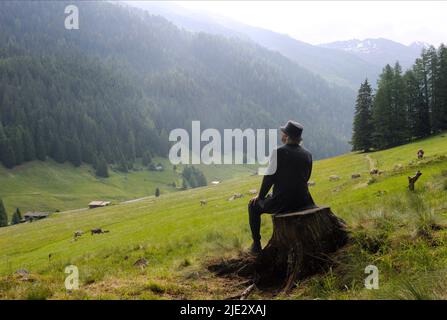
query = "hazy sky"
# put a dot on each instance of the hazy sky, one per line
(325, 21)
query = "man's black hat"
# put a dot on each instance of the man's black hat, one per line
(293, 129)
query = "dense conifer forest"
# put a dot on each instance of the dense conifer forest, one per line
(112, 90)
(406, 105)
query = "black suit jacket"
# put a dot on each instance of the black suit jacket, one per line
(290, 190)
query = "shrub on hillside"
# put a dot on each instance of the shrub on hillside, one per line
(3, 215)
(101, 168)
(193, 177)
(16, 217)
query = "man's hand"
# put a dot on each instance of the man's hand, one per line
(253, 200)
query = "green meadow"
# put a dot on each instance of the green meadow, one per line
(49, 186)
(403, 233)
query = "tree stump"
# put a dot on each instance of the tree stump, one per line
(299, 247)
(412, 180)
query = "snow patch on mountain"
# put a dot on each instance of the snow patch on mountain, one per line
(380, 51)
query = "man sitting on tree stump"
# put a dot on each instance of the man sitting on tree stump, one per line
(289, 171)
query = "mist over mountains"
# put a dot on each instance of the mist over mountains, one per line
(153, 75)
(345, 63)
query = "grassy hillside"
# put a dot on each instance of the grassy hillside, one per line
(400, 232)
(50, 186)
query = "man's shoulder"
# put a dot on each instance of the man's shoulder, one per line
(299, 148)
(306, 151)
(283, 150)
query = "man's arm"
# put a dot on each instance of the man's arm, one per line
(269, 177)
(267, 183)
(310, 168)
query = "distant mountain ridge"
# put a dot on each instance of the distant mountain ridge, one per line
(380, 51)
(335, 66)
(345, 63)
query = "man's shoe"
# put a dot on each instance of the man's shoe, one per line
(256, 248)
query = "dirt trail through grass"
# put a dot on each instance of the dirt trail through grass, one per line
(371, 162)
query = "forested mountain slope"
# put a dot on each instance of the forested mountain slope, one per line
(178, 77)
(70, 109)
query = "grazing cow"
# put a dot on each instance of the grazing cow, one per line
(22, 272)
(374, 171)
(420, 154)
(355, 175)
(78, 234)
(311, 183)
(98, 231)
(24, 275)
(203, 202)
(142, 263)
(253, 191)
(334, 178)
(236, 196)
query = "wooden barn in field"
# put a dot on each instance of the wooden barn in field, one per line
(98, 204)
(31, 216)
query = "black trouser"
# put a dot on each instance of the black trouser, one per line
(271, 205)
(254, 216)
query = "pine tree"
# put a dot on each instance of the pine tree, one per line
(184, 184)
(146, 160)
(122, 165)
(88, 153)
(41, 148)
(442, 89)
(74, 152)
(390, 119)
(131, 154)
(410, 106)
(422, 71)
(399, 110)
(157, 192)
(58, 151)
(193, 177)
(16, 217)
(3, 215)
(382, 110)
(16, 138)
(200, 178)
(422, 117)
(3, 143)
(417, 108)
(7, 153)
(362, 129)
(101, 167)
(29, 148)
(431, 58)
